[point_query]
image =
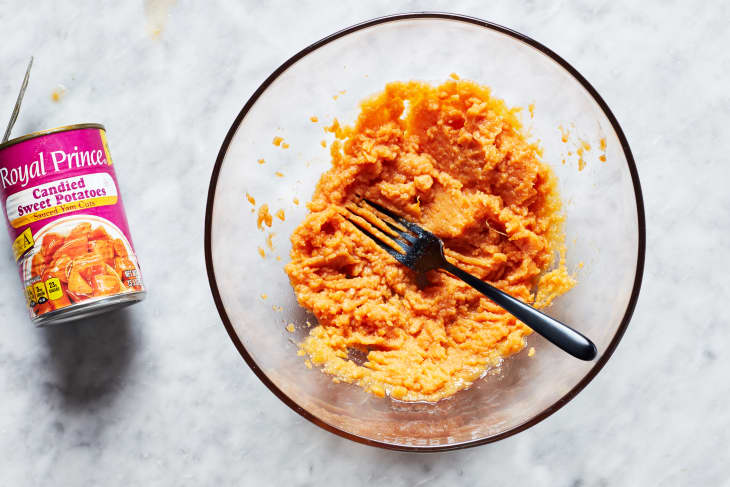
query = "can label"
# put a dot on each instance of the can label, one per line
(66, 220)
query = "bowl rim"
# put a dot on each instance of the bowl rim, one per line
(639, 210)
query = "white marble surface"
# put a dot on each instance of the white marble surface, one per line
(158, 395)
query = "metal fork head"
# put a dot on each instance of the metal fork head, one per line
(415, 247)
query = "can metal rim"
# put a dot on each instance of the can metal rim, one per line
(89, 308)
(64, 128)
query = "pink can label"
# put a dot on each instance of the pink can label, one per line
(66, 221)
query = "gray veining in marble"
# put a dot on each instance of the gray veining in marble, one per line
(158, 395)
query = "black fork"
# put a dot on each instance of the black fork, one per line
(423, 251)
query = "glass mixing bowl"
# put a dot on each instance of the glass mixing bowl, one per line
(602, 202)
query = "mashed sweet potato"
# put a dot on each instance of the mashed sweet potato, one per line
(453, 159)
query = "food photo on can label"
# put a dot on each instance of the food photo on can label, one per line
(87, 262)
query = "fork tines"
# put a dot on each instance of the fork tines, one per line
(386, 229)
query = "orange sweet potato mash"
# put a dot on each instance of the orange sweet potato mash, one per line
(453, 159)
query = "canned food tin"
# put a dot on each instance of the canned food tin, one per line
(67, 225)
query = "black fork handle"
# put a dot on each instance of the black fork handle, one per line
(554, 331)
